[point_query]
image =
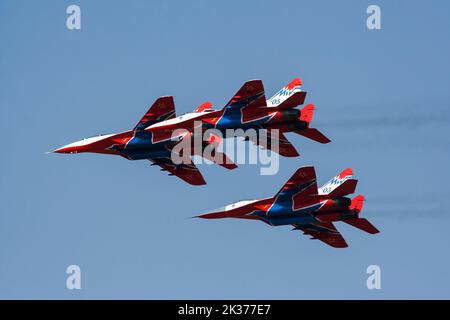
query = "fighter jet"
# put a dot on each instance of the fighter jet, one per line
(249, 109)
(155, 146)
(307, 208)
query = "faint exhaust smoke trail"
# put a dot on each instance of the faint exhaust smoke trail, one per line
(390, 117)
(409, 206)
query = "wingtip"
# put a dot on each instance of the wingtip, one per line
(200, 183)
(230, 166)
(375, 231)
(325, 140)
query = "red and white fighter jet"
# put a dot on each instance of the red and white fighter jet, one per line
(249, 109)
(157, 147)
(307, 208)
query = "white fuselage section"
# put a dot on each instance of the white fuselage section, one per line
(177, 120)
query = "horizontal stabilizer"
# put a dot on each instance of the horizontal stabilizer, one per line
(296, 99)
(313, 134)
(266, 137)
(347, 187)
(362, 224)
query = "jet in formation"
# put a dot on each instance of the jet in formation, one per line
(306, 207)
(139, 144)
(155, 136)
(249, 109)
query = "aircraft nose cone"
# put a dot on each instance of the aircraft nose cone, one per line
(92, 144)
(62, 150)
(66, 150)
(213, 215)
(59, 150)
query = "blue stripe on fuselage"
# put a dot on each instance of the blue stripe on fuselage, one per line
(232, 120)
(142, 147)
(286, 220)
(285, 208)
(283, 214)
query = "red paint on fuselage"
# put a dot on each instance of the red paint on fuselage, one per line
(100, 145)
(334, 209)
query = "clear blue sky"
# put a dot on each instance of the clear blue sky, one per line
(382, 97)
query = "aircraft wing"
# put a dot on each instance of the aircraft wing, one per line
(298, 190)
(252, 92)
(285, 148)
(302, 183)
(162, 109)
(323, 231)
(185, 171)
(210, 151)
